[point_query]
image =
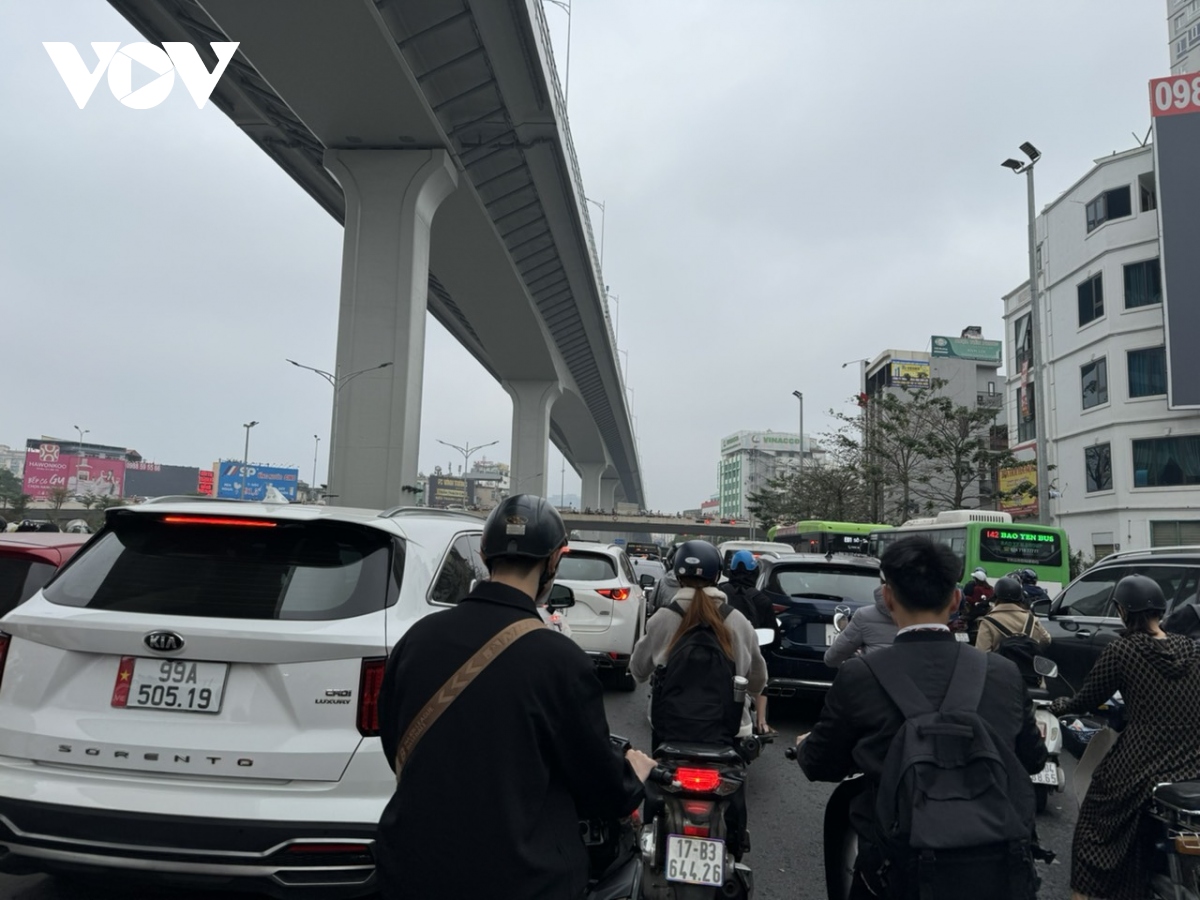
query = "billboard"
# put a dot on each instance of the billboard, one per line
(150, 479)
(232, 486)
(49, 468)
(445, 490)
(204, 482)
(760, 440)
(1175, 105)
(1025, 502)
(912, 373)
(966, 348)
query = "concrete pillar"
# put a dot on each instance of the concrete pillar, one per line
(391, 196)
(608, 492)
(590, 474)
(532, 402)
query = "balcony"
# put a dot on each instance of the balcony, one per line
(991, 401)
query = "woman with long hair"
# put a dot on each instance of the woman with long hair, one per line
(1158, 675)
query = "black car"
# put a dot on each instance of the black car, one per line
(1083, 618)
(806, 591)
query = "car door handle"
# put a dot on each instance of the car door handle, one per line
(1083, 634)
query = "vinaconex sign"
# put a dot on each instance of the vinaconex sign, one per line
(165, 61)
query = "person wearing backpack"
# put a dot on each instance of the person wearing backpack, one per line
(946, 739)
(1011, 630)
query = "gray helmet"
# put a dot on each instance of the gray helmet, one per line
(1008, 590)
(524, 525)
(1137, 593)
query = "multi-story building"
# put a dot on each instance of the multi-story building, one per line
(1183, 30)
(750, 459)
(1125, 467)
(12, 460)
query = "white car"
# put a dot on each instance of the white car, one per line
(193, 698)
(610, 607)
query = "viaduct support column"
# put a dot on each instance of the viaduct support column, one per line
(391, 197)
(608, 492)
(532, 402)
(591, 474)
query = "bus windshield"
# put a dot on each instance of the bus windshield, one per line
(826, 537)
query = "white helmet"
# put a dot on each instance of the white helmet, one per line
(979, 574)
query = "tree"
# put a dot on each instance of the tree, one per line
(19, 505)
(834, 491)
(57, 497)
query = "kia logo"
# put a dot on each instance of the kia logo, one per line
(163, 641)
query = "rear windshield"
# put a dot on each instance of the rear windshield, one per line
(838, 582)
(284, 570)
(20, 579)
(576, 566)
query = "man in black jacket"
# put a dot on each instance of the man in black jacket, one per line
(744, 596)
(859, 719)
(489, 800)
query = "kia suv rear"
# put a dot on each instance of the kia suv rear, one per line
(193, 697)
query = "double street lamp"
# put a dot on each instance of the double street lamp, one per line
(246, 457)
(1035, 384)
(467, 451)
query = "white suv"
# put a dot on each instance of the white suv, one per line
(610, 606)
(193, 697)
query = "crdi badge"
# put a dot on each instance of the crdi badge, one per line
(172, 57)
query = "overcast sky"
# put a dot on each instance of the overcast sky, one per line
(789, 185)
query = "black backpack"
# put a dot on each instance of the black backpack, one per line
(691, 697)
(954, 805)
(1020, 647)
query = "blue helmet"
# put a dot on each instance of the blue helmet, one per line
(698, 559)
(743, 559)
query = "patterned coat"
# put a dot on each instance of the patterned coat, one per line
(1159, 680)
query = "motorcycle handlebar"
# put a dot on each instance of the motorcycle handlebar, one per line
(661, 775)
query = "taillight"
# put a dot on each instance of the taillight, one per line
(368, 696)
(698, 781)
(614, 593)
(215, 520)
(1042, 729)
(328, 848)
(697, 816)
(780, 608)
(4, 639)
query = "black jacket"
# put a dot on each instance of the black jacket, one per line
(490, 799)
(859, 720)
(750, 602)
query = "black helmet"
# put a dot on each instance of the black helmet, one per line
(1138, 593)
(698, 559)
(523, 525)
(1028, 576)
(1008, 590)
(28, 525)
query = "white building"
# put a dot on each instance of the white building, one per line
(1183, 30)
(749, 459)
(1126, 468)
(12, 460)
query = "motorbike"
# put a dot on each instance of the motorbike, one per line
(1051, 777)
(695, 836)
(614, 863)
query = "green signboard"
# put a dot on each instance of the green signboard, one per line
(967, 348)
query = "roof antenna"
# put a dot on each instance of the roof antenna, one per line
(1144, 141)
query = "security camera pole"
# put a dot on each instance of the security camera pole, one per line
(1045, 517)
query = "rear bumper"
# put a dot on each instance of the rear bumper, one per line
(609, 660)
(790, 687)
(790, 675)
(191, 851)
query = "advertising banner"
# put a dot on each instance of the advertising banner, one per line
(913, 373)
(967, 348)
(1023, 503)
(447, 491)
(232, 486)
(760, 440)
(48, 468)
(149, 479)
(204, 482)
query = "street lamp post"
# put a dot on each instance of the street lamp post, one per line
(337, 381)
(603, 220)
(565, 6)
(246, 455)
(316, 448)
(1035, 324)
(467, 451)
(800, 470)
(82, 432)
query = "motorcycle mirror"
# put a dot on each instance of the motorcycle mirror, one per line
(1045, 667)
(765, 636)
(561, 597)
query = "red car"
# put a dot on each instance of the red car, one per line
(28, 559)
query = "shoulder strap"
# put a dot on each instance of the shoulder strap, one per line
(1028, 629)
(676, 608)
(967, 682)
(897, 684)
(725, 609)
(457, 683)
(1000, 628)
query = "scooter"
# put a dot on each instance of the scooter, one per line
(1051, 777)
(614, 864)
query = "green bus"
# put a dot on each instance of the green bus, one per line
(990, 541)
(825, 537)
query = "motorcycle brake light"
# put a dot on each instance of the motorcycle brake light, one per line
(696, 818)
(614, 593)
(1042, 729)
(698, 780)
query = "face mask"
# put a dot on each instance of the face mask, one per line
(545, 584)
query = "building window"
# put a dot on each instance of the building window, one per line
(1148, 191)
(1166, 461)
(1174, 534)
(1038, 256)
(1091, 299)
(1023, 341)
(1143, 284)
(1148, 372)
(1114, 204)
(1095, 383)
(1098, 462)
(1026, 414)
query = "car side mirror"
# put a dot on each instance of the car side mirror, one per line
(561, 597)
(646, 581)
(1045, 667)
(765, 636)
(1040, 607)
